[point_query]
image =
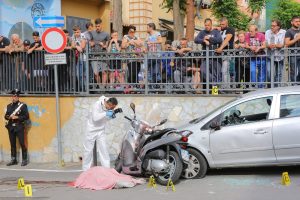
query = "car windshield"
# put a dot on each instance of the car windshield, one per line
(197, 120)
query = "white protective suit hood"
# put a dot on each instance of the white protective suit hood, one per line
(97, 115)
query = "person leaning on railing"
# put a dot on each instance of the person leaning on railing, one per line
(116, 74)
(37, 44)
(78, 44)
(65, 71)
(16, 44)
(153, 43)
(184, 67)
(42, 75)
(255, 42)
(69, 39)
(210, 39)
(274, 42)
(242, 64)
(26, 62)
(227, 34)
(88, 33)
(132, 44)
(98, 44)
(4, 43)
(292, 40)
(167, 62)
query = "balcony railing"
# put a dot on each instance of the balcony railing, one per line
(197, 72)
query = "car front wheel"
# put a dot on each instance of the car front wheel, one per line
(197, 166)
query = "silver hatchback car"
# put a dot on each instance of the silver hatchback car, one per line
(260, 128)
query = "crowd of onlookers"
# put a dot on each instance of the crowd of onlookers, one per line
(177, 61)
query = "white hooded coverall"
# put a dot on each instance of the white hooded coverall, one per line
(95, 132)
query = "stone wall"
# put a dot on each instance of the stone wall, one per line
(178, 110)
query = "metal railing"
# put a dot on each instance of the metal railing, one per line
(197, 72)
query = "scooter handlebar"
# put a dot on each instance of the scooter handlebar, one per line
(127, 118)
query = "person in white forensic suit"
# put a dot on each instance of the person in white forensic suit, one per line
(102, 111)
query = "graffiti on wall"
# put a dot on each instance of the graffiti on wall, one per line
(37, 112)
(17, 16)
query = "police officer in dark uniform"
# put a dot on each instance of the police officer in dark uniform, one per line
(16, 114)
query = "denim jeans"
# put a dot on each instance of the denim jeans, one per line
(278, 69)
(80, 74)
(259, 64)
(294, 63)
(154, 75)
(228, 71)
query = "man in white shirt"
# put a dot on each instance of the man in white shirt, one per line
(275, 41)
(101, 112)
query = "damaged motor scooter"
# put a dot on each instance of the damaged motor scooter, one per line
(146, 151)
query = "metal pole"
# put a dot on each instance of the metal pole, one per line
(207, 69)
(87, 68)
(59, 144)
(146, 73)
(272, 69)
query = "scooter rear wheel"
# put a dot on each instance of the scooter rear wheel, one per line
(174, 172)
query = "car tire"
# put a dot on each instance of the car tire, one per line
(197, 166)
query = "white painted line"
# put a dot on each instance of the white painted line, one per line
(42, 170)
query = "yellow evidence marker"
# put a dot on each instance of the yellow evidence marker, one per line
(28, 191)
(285, 179)
(170, 184)
(215, 90)
(152, 182)
(21, 184)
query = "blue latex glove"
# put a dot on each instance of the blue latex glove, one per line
(110, 114)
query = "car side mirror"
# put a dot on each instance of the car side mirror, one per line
(215, 125)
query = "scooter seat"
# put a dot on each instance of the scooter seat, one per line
(155, 135)
(158, 133)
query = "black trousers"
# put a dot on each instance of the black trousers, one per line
(134, 68)
(14, 132)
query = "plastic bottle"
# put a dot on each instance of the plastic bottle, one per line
(141, 76)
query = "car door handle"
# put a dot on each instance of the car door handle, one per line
(260, 132)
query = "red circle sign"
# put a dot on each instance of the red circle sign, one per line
(54, 40)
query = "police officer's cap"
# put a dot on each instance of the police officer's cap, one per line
(16, 92)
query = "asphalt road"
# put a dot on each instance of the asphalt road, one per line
(50, 182)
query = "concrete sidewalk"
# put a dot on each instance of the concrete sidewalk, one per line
(43, 167)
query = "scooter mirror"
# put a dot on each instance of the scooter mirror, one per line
(162, 122)
(132, 106)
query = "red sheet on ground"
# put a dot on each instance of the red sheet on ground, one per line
(101, 178)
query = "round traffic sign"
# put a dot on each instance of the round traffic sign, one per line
(54, 40)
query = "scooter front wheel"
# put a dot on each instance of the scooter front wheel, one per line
(174, 172)
(118, 164)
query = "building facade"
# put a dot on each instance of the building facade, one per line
(18, 16)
